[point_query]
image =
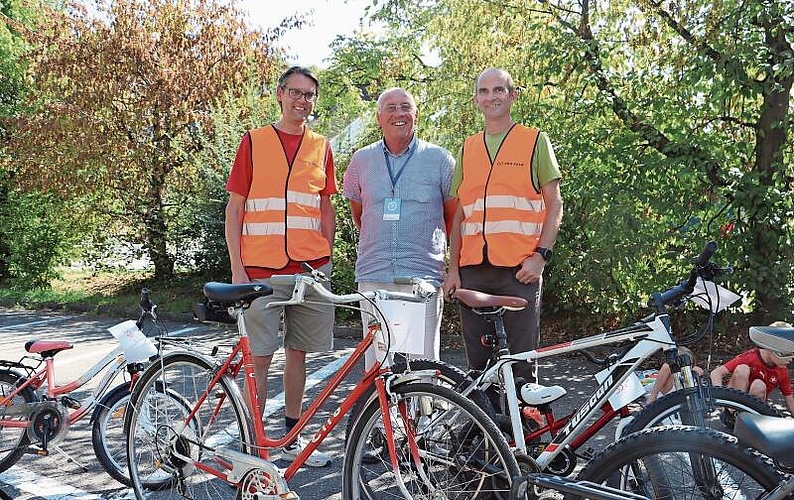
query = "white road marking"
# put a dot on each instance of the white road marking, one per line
(48, 489)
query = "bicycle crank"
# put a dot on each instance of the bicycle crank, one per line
(259, 479)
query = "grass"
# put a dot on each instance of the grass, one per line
(112, 293)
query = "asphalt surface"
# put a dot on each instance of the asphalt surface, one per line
(56, 477)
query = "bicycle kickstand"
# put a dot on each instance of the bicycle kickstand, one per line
(69, 457)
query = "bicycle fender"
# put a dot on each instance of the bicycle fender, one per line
(107, 397)
(412, 376)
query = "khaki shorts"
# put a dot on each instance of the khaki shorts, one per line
(308, 327)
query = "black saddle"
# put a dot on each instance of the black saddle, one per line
(244, 293)
(772, 436)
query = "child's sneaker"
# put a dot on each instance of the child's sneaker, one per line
(316, 459)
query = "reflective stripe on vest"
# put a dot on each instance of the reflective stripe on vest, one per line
(282, 218)
(503, 213)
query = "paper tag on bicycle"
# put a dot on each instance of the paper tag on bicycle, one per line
(719, 297)
(406, 325)
(627, 392)
(134, 343)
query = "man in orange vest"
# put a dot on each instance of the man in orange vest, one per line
(508, 216)
(279, 216)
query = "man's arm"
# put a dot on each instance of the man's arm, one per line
(532, 267)
(450, 207)
(452, 282)
(235, 209)
(328, 220)
(355, 213)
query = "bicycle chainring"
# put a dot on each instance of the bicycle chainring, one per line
(257, 485)
(49, 424)
(563, 464)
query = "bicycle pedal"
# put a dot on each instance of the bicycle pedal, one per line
(38, 451)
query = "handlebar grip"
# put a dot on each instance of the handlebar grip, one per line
(707, 252)
(283, 279)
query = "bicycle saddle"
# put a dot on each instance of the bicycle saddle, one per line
(772, 436)
(778, 339)
(227, 292)
(475, 300)
(47, 348)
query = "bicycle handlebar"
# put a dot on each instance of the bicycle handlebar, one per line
(703, 268)
(423, 290)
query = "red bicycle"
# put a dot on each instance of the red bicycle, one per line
(416, 439)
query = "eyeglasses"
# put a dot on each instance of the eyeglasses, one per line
(405, 107)
(297, 94)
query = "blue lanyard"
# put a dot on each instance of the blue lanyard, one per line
(394, 178)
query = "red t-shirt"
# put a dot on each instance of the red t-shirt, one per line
(240, 182)
(773, 376)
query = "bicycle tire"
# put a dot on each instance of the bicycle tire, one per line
(107, 434)
(666, 410)
(163, 448)
(459, 447)
(657, 463)
(13, 440)
(449, 375)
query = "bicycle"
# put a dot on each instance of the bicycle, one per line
(431, 441)
(515, 413)
(684, 462)
(35, 413)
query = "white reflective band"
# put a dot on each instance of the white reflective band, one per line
(263, 228)
(503, 201)
(264, 204)
(470, 228)
(303, 223)
(517, 202)
(504, 226)
(514, 226)
(309, 200)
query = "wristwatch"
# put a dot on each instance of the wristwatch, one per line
(546, 253)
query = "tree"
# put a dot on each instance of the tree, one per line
(670, 121)
(122, 96)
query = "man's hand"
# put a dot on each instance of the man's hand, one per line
(451, 283)
(239, 276)
(531, 269)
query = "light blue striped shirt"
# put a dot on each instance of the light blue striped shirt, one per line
(415, 244)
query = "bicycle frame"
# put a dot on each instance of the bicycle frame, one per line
(649, 337)
(378, 376)
(46, 375)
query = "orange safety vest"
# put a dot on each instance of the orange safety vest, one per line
(282, 211)
(503, 211)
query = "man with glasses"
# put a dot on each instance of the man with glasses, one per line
(280, 215)
(398, 189)
(508, 216)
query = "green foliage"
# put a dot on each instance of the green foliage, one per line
(37, 237)
(669, 121)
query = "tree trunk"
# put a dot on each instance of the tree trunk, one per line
(156, 228)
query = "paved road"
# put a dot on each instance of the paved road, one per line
(57, 478)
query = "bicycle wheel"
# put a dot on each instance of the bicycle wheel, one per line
(669, 463)
(169, 450)
(107, 434)
(448, 375)
(667, 410)
(13, 440)
(459, 451)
